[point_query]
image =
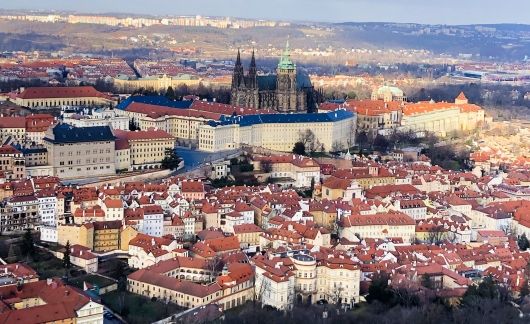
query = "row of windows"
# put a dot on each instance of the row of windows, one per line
(101, 151)
(88, 168)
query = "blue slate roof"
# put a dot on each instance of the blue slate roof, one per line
(337, 101)
(331, 116)
(154, 100)
(64, 133)
(33, 150)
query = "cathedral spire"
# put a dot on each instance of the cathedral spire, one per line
(239, 73)
(252, 73)
(253, 60)
(238, 60)
(285, 60)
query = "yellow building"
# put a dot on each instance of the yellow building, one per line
(442, 118)
(388, 93)
(49, 97)
(182, 124)
(335, 277)
(126, 235)
(346, 189)
(147, 148)
(76, 234)
(247, 234)
(106, 236)
(378, 226)
(14, 127)
(288, 169)
(157, 83)
(279, 131)
(48, 301)
(232, 288)
(322, 216)
(12, 163)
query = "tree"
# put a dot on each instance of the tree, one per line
(266, 166)
(132, 126)
(335, 295)
(337, 147)
(262, 286)
(362, 139)
(182, 90)
(119, 269)
(214, 265)
(525, 290)
(379, 289)
(310, 141)
(66, 256)
(523, 243)
(487, 289)
(351, 95)
(299, 148)
(381, 143)
(28, 245)
(170, 93)
(436, 234)
(171, 159)
(427, 282)
(14, 253)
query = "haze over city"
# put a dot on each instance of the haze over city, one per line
(416, 11)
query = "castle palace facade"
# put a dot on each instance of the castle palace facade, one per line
(290, 90)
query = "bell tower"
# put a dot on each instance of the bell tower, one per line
(286, 90)
(238, 83)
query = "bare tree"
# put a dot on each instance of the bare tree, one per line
(337, 147)
(266, 166)
(214, 265)
(509, 229)
(261, 286)
(335, 296)
(311, 143)
(436, 234)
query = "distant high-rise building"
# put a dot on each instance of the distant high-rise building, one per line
(290, 90)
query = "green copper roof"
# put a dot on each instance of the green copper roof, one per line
(285, 60)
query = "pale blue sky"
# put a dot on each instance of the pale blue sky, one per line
(420, 11)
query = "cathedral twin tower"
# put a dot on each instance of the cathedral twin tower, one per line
(289, 90)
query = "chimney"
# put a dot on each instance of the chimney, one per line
(49, 281)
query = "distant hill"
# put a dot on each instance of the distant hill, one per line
(509, 42)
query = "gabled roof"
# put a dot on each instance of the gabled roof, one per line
(61, 92)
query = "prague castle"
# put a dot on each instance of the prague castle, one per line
(290, 90)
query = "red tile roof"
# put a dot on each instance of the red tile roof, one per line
(8, 149)
(247, 228)
(12, 122)
(184, 287)
(392, 219)
(61, 92)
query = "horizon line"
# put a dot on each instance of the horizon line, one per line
(296, 21)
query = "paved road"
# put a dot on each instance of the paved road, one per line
(195, 159)
(114, 320)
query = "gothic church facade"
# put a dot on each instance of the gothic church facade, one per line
(290, 90)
